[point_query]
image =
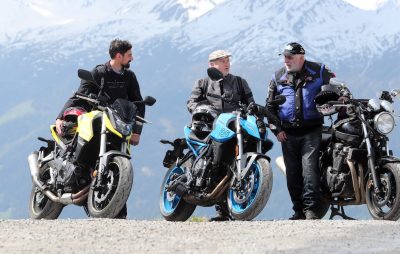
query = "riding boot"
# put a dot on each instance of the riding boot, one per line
(222, 211)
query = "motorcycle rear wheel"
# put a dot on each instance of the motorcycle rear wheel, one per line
(385, 205)
(172, 206)
(40, 206)
(247, 202)
(109, 199)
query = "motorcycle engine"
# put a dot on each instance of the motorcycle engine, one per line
(338, 175)
(200, 171)
(68, 176)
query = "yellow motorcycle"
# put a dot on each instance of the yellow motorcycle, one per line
(91, 167)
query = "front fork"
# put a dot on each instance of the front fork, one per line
(103, 154)
(370, 156)
(241, 169)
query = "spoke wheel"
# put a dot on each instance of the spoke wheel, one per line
(385, 205)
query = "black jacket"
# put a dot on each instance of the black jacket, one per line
(231, 86)
(124, 85)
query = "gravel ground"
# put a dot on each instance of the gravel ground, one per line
(132, 236)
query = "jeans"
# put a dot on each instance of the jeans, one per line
(300, 153)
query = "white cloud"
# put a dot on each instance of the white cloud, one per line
(18, 111)
(169, 128)
(147, 171)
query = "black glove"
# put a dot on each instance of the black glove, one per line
(252, 108)
(261, 126)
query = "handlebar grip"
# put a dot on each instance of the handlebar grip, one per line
(336, 102)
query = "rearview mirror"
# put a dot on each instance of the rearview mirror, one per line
(215, 74)
(149, 101)
(85, 75)
(395, 93)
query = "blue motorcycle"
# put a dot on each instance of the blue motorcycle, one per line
(226, 162)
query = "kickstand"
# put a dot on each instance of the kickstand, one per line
(339, 210)
(86, 210)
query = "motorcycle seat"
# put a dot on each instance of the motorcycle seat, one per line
(203, 136)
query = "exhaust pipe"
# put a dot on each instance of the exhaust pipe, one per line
(34, 168)
(66, 198)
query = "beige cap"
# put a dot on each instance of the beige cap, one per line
(218, 54)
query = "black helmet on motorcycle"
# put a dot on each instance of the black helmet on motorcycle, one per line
(70, 122)
(203, 117)
(327, 93)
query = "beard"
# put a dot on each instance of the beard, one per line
(126, 66)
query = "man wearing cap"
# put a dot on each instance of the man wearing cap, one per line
(300, 126)
(233, 87)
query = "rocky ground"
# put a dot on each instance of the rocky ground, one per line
(132, 236)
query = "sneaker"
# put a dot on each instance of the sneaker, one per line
(310, 215)
(298, 216)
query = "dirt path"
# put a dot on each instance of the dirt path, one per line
(130, 236)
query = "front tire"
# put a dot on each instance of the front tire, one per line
(385, 205)
(172, 206)
(109, 199)
(247, 201)
(40, 206)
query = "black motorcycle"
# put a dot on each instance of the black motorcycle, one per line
(357, 166)
(89, 165)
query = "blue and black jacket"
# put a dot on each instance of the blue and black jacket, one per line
(299, 111)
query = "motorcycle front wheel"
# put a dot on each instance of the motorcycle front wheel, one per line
(386, 204)
(40, 206)
(172, 206)
(248, 199)
(107, 199)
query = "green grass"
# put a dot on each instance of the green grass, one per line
(198, 219)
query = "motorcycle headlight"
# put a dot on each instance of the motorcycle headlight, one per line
(384, 123)
(122, 127)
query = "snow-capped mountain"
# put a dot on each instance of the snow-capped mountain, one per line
(253, 30)
(44, 42)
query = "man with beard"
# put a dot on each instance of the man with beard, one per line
(119, 82)
(300, 126)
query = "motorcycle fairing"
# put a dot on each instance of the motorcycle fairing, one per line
(250, 125)
(222, 133)
(55, 136)
(195, 146)
(110, 127)
(85, 125)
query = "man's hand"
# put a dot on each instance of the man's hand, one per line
(281, 136)
(59, 123)
(135, 139)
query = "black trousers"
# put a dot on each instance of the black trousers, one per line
(300, 154)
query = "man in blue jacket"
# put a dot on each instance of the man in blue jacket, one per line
(300, 126)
